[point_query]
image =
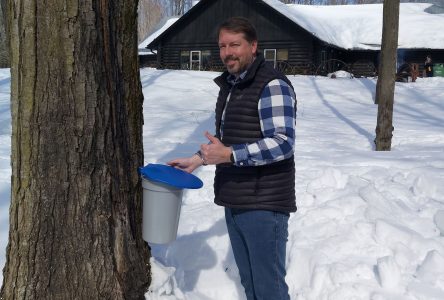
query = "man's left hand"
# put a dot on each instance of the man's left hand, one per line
(215, 152)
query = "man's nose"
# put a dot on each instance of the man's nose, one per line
(228, 51)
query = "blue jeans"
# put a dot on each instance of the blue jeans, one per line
(258, 239)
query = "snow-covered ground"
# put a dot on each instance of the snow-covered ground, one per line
(369, 224)
(5, 168)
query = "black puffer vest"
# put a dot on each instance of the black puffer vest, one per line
(269, 187)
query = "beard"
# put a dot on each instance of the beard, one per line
(237, 65)
(234, 65)
(229, 58)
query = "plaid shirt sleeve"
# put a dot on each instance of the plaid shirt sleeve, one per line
(277, 114)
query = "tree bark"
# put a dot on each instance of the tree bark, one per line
(76, 102)
(385, 88)
(4, 49)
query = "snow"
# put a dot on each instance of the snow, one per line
(5, 168)
(360, 26)
(369, 225)
(340, 74)
(164, 25)
(355, 26)
(439, 221)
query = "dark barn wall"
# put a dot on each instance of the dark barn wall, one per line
(360, 62)
(197, 31)
(276, 31)
(418, 56)
(147, 60)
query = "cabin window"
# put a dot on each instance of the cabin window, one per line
(276, 56)
(206, 59)
(282, 55)
(184, 60)
(270, 56)
(323, 56)
(195, 59)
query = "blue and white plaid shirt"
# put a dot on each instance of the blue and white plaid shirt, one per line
(277, 114)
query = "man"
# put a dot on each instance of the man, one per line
(253, 153)
(428, 66)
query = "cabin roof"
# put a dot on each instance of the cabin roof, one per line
(357, 27)
(360, 26)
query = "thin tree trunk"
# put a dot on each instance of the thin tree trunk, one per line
(76, 144)
(385, 89)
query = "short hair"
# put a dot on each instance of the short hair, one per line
(239, 25)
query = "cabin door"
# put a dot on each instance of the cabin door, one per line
(195, 60)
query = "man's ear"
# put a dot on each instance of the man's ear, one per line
(254, 47)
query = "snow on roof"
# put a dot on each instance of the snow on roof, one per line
(354, 26)
(360, 26)
(160, 29)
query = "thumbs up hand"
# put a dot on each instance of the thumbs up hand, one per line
(215, 152)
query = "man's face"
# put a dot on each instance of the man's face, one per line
(235, 51)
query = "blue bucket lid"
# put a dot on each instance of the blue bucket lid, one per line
(171, 176)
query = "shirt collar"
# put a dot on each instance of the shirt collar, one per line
(232, 79)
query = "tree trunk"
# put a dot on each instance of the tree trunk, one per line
(75, 215)
(385, 89)
(4, 51)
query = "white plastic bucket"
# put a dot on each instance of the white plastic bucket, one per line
(162, 198)
(161, 211)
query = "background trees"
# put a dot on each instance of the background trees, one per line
(150, 12)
